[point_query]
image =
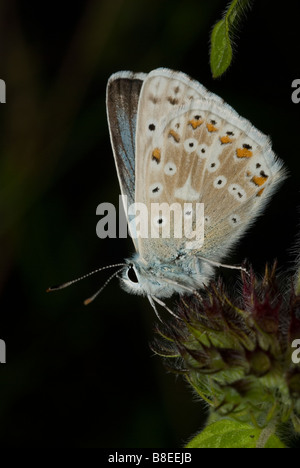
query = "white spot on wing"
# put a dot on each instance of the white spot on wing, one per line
(220, 182)
(187, 193)
(202, 151)
(237, 192)
(155, 190)
(159, 221)
(170, 169)
(213, 166)
(190, 145)
(234, 220)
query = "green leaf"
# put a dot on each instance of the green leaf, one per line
(227, 433)
(221, 50)
(221, 38)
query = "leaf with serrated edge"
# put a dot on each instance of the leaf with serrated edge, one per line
(227, 433)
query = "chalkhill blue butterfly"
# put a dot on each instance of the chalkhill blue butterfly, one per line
(176, 142)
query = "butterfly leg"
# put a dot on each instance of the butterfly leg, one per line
(154, 308)
(165, 307)
(222, 265)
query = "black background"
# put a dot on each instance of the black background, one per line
(86, 377)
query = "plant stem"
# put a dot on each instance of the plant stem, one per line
(266, 433)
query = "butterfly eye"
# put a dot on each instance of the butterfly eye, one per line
(132, 275)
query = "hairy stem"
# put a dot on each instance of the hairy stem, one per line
(266, 433)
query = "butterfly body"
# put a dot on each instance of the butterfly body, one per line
(176, 144)
(181, 275)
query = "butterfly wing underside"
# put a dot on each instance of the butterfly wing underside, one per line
(122, 97)
(193, 148)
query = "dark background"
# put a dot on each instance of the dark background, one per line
(86, 377)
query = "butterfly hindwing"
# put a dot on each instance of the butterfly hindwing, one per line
(193, 148)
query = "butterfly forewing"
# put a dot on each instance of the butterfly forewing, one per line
(123, 91)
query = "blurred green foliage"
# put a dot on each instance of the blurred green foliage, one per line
(85, 377)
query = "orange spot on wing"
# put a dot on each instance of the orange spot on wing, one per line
(211, 128)
(156, 155)
(244, 153)
(259, 180)
(174, 135)
(195, 123)
(259, 194)
(226, 139)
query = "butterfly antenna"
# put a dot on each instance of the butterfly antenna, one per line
(69, 283)
(92, 298)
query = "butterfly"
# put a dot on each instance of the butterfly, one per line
(175, 142)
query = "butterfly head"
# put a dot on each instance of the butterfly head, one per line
(137, 279)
